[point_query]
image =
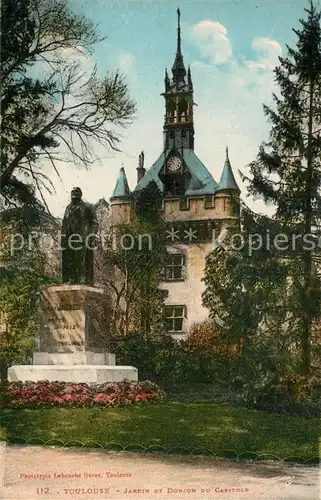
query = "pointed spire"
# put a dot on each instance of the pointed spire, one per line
(178, 68)
(167, 81)
(227, 181)
(189, 78)
(121, 189)
(140, 169)
(178, 51)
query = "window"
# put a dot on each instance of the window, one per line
(174, 269)
(226, 204)
(209, 202)
(174, 317)
(178, 187)
(174, 187)
(184, 204)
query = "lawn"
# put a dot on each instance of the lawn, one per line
(190, 426)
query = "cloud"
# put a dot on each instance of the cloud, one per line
(271, 51)
(252, 79)
(63, 58)
(246, 77)
(233, 89)
(126, 62)
(213, 41)
(229, 90)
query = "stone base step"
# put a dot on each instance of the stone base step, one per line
(72, 373)
(74, 358)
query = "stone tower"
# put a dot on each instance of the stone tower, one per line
(195, 206)
(120, 200)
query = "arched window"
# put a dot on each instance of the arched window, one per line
(171, 107)
(183, 110)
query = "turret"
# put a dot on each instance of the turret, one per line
(228, 191)
(140, 169)
(167, 81)
(121, 191)
(121, 200)
(228, 182)
(189, 79)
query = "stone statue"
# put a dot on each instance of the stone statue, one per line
(79, 227)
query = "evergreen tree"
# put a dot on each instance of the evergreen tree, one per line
(287, 170)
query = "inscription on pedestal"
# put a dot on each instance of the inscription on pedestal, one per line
(62, 331)
(72, 318)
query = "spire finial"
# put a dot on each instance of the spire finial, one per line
(141, 158)
(178, 31)
(226, 149)
(178, 68)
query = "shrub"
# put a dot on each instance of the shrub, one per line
(136, 350)
(171, 361)
(209, 335)
(267, 379)
(299, 394)
(44, 393)
(186, 363)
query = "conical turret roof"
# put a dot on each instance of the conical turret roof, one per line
(122, 188)
(227, 181)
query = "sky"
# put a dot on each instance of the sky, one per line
(232, 48)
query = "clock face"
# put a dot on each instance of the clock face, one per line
(174, 163)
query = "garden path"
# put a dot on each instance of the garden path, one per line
(146, 476)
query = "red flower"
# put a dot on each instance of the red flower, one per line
(45, 392)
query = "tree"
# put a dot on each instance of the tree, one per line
(131, 267)
(287, 170)
(52, 108)
(249, 290)
(23, 272)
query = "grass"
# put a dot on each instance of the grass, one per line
(200, 393)
(211, 426)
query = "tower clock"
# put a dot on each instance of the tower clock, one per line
(174, 164)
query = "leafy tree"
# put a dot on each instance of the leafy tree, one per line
(249, 292)
(131, 267)
(52, 108)
(23, 273)
(148, 209)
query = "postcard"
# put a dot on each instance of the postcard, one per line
(160, 249)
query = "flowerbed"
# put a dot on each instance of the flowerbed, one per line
(45, 393)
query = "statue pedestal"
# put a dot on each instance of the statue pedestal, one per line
(73, 343)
